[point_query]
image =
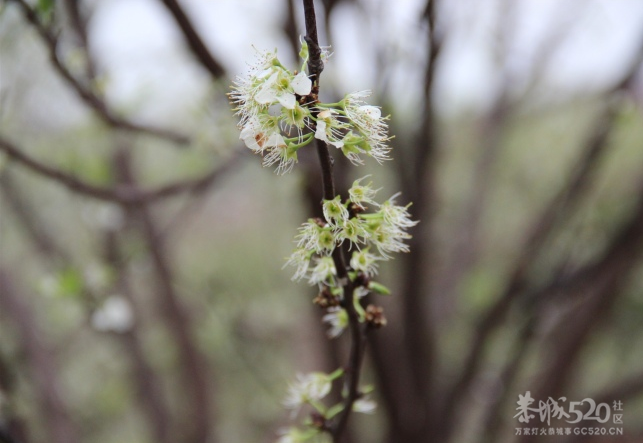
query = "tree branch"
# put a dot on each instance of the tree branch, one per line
(124, 194)
(58, 425)
(357, 332)
(90, 98)
(194, 41)
(560, 207)
(193, 366)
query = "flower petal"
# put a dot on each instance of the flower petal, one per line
(267, 93)
(301, 84)
(372, 112)
(287, 100)
(320, 133)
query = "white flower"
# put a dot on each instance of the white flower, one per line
(369, 123)
(115, 315)
(281, 87)
(282, 154)
(397, 216)
(314, 237)
(365, 262)
(364, 406)
(337, 318)
(261, 134)
(335, 212)
(329, 128)
(307, 388)
(359, 193)
(323, 271)
(245, 88)
(354, 231)
(388, 239)
(387, 227)
(300, 258)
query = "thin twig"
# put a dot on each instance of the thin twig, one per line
(357, 333)
(28, 219)
(194, 40)
(124, 194)
(79, 24)
(86, 94)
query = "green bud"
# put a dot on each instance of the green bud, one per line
(303, 53)
(379, 288)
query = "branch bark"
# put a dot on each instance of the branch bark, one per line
(357, 332)
(56, 417)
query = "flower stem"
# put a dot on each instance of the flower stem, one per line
(357, 333)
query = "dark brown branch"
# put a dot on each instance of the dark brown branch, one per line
(493, 415)
(559, 208)
(418, 174)
(194, 41)
(193, 365)
(86, 94)
(121, 193)
(599, 285)
(12, 427)
(59, 427)
(29, 221)
(357, 333)
(147, 382)
(79, 25)
(315, 63)
(144, 378)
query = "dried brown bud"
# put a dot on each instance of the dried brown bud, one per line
(355, 209)
(375, 316)
(362, 279)
(325, 299)
(318, 421)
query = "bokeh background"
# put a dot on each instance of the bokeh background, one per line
(142, 295)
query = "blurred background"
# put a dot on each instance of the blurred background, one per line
(142, 296)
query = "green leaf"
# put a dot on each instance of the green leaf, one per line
(45, 8)
(303, 53)
(334, 410)
(379, 288)
(70, 283)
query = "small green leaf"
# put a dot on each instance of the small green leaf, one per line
(336, 374)
(70, 283)
(303, 53)
(334, 410)
(379, 288)
(45, 8)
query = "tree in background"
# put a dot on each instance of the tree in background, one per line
(140, 298)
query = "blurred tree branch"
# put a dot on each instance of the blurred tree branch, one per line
(44, 371)
(193, 366)
(85, 92)
(194, 40)
(409, 398)
(126, 194)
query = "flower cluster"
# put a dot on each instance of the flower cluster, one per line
(279, 115)
(308, 390)
(371, 238)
